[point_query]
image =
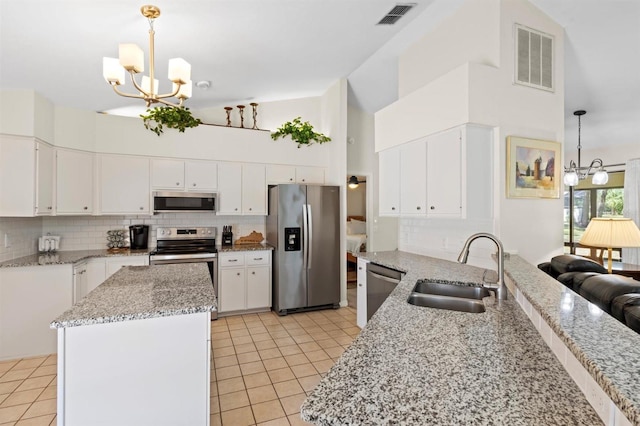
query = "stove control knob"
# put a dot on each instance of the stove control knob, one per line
(162, 232)
(169, 232)
(209, 231)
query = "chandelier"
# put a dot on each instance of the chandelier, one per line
(575, 173)
(131, 59)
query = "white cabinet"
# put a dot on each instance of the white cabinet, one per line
(124, 185)
(201, 175)
(167, 174)
(230, 189)
(113, 264)
(413, 178)
(26, 177)
(389, 187)
(440, 175)
(254, 189)
(292, 174)
(361, 295)
(74, 182)
(242, 189)
(244, 281)
(445, 174)
(88, 275)
(30, 298)
(311, 175)
(44, 173)
(179, 175)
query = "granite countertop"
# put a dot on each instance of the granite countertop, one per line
(140, 292)
(245, 247)
(66, 257)
(415, 365)
(608, 350)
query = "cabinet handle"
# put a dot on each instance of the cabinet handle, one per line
(236, 209)
(50, 208)
(360, 268)
(238, 273)
(250, 209)
(290, 179)
(359, 285)
(303, 180)
(257, 258)
(418, 207)
(232, 260)
(253, 273)
(86, 208)
(177, 183)
(141, 208)
(432, 207)
(194, 184)
(393, 208)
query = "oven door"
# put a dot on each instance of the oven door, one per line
(212, 263)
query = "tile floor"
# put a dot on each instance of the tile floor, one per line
(263, 367)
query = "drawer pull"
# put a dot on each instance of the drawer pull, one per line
(257, 258)
(238, 274)
(233, 260)
(253, 273)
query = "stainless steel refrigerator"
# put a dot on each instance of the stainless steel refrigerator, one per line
(303, 225)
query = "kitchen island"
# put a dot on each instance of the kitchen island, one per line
(416, 365)
(136, 350)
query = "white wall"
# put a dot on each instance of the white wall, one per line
(531, 227)
(26, 113)
(470, 35)
(362, 160)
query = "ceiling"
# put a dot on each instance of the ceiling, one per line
(266, 50)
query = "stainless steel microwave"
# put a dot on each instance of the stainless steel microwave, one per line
(186, 202)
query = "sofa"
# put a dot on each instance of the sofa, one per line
(617, 295)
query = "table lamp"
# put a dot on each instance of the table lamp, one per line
(611, 232)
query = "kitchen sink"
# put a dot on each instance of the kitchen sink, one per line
(433, 294)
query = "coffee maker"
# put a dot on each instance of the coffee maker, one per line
(138, 237)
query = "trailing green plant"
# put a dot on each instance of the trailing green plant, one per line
(172, 117)
(301, 133)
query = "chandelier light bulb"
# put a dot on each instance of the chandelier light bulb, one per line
(571, 178)
(601, 177)
(112, 71)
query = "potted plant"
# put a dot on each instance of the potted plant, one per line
(172, 117)
(301, 133)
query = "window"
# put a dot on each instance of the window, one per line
(592, 201)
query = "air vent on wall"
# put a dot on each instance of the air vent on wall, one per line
(398, 11)
(534, 58)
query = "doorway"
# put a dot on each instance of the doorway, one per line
(356, 230)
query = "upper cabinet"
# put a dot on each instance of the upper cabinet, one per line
(440, 175)
(26, 177)
(413, 178)
(124, 184)
(180, 175)
(74, 182)
(242, 189)
(254, 189)
(279, 174)
(389, 175)
(201, 175)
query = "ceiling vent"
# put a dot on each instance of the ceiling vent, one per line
(534, 58)
(398, 11)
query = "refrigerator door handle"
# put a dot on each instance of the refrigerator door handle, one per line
(310, 238)
(305, 237)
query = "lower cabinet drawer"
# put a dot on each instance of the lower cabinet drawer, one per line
(232, 260)
(258, 258)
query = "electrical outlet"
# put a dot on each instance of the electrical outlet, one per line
(7, 240)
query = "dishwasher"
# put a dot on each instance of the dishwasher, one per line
(380, 283)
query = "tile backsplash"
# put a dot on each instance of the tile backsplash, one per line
(90, 232)
(21, 235)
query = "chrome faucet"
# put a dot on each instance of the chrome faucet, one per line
(498, 288)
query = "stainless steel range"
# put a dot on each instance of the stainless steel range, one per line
(187, 245)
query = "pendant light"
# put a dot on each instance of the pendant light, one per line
(353, 182)
(575, 173)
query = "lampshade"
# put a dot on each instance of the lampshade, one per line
(185, 91)
(353, 182)
(600, 177)
(131, 57)
(146, 85)
(611, 232)
(112, 71)
(179, 70)
(571, 178)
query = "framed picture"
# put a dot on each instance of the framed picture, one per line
(531, 168)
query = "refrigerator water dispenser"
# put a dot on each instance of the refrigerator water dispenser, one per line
(291, 239)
